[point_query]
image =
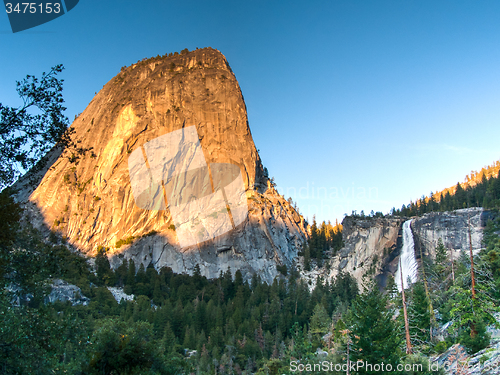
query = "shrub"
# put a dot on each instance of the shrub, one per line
(53, 237)
(441, 347)
(478, 342)
(282, 269)
(150, 233)
(126, 241)
(127, 289)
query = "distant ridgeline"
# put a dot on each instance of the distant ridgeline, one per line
(480, 189)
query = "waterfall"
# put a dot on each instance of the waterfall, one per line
(408, 263)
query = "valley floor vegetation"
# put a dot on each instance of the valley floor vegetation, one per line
(176, 324)
(182, 324)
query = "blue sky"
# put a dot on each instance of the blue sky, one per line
(367, 104)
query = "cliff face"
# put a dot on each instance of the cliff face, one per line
(93, 203)
(453, 229)
(271, 236)
(374, 245)
(370, 245)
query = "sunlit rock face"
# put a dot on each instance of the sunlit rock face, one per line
(173, 178)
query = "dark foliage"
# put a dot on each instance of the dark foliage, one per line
(28, 132)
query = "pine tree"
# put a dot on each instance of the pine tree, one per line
(161, 318)
(201, 340)
(141, 277)
(495, 189)
(471, 315)
(197, 278)
(130, 277)
(104, 273)
(169, 339)
(300, 347)
(432, 202)
(10, 213)
(441, 259)
(228, 285)
(447, 202)
(460, 197)
(307, 258)
(238, 279)
(200, 317)
(423, 205)
(391, 288)
(178, 319)
(157, 293)
(373, 331)
(419, 316)
(320, 321)
(189, 338)
(121, 273)
(314, 239)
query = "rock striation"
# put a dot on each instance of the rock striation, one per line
(452, 228)
(370, 245)
(89, 200)
(373, 245)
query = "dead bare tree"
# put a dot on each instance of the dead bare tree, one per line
(405, 312)
(473, 331)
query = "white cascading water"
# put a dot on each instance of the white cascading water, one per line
(407, 264)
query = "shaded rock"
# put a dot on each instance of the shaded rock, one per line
(63, 292)
(452, 227)
(369, 245)
(17, 297)
(373, 245)
(456, 361)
